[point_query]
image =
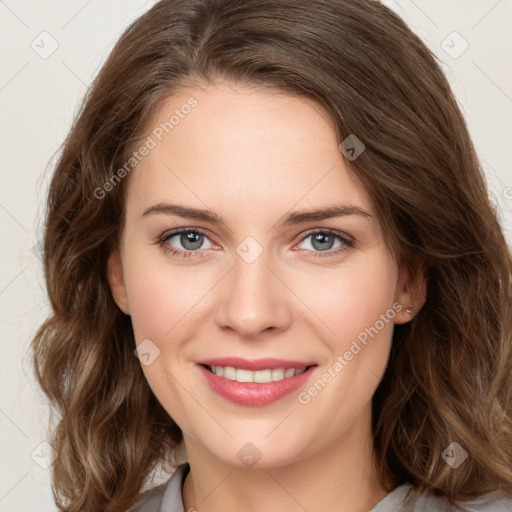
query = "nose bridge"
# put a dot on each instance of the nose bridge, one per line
(256, 299)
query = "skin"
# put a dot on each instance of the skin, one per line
(252, 156)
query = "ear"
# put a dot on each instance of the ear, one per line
(411, 288)
(115, 277)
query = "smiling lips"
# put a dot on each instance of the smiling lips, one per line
(254, 383)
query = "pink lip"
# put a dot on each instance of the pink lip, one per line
(253, 393)
(256, 364)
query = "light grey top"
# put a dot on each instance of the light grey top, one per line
(167, 498)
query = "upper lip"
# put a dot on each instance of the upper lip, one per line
(256, 364)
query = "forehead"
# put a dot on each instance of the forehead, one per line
(243, 147)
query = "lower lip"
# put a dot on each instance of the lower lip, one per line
(253, 393)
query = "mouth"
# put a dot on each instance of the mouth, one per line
(255, 387)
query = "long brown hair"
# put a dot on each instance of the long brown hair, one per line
(450, 371)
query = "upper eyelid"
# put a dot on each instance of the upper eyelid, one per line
(179, 231)
(313, 231)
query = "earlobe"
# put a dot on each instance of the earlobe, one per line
(411, 290)
(116, 282)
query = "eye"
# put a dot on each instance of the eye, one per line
(323, 241)
(191, 240)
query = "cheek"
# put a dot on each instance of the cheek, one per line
(355, 299)
(164, 305)
(359, 312)
(163, 300)
(151, 311)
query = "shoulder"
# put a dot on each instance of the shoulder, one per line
(150, 501)
(405, 498)
(165, 497)
(490, 503)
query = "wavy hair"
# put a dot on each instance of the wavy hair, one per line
(449, 377)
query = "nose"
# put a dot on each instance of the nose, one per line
(255, 298)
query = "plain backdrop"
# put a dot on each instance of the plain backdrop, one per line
(50, 52)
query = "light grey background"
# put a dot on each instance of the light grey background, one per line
(39, 93)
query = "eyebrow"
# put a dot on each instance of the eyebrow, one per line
(293, 218)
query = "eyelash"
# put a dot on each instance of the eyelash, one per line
(347, 241)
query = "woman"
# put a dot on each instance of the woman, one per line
(269, 242)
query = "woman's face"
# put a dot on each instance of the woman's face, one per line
(256, 278)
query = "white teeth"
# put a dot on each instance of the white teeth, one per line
(278, 374)
(244, 376)
(259, 376)
(263, 376)
(229, 372)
